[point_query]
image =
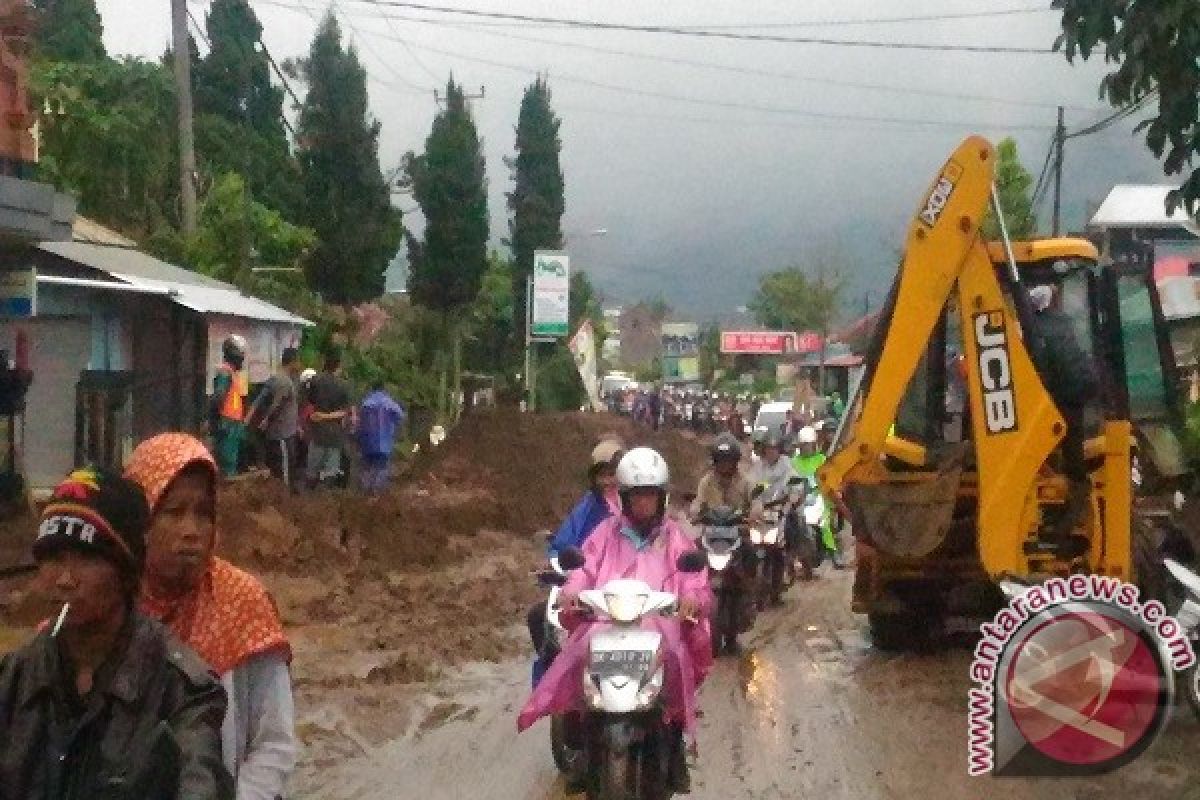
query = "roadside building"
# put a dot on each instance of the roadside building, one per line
(122, 346)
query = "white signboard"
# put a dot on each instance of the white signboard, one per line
(551, 294)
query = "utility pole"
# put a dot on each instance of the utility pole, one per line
(187, 143)
(1060, 139)
(437, 96)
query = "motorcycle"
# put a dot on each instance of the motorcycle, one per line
(624, 744)
(732, 576)
(1188, 617)
(804, 528)
(776, 573)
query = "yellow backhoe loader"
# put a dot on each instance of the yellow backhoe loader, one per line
(948, 460)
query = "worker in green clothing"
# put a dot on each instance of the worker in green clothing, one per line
(227, 414)
(806, 462)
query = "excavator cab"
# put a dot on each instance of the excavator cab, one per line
(948, 462)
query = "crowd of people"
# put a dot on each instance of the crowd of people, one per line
(303, 424)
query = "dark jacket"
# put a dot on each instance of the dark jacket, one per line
(1066, 369)
(149, 730)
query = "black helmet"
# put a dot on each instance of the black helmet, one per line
(726, 448)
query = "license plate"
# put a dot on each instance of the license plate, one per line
(617, 662)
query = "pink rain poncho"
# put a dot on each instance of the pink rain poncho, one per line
(612, 555)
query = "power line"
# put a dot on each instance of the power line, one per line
(287, 87)
(1039, 187)
(825, 23)
(711, 33)
(1113, 118)
(198, 29)
(903, 90)
(336, 8)
(784, 110)
(829, 23)
(591, 82)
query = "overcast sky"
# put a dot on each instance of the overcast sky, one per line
(711, 161)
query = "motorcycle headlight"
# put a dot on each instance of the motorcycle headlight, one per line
(719, 561)
(756, 536)
(625, 607)
(651, 688)
(771, 536)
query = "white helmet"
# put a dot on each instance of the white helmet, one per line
(307, 375)
(642, 468)
(807, 435)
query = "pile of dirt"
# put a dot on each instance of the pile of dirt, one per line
(437, 571)
(499, 470)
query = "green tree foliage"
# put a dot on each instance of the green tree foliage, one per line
(239, 121)
(791, 300)
(68, 30)
(347, 200)
(710, 351)
(491, 325)
(1013, 183)
(449, 183)
(536, 201)
(113, 145)
(585, 303)
(234, 80)
(237, 233)
(1156, 49)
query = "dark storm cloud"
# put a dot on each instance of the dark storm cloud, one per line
(699, 199)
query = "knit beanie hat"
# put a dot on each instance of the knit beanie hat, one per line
(97, 510)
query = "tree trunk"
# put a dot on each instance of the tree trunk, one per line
(456, 335)
(442, 369)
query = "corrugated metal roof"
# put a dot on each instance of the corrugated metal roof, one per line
(1135, 206)
(143, 272)
(127, 261)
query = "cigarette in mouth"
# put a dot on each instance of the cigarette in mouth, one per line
(62, 615)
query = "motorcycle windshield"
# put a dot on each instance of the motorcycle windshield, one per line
(721, 540)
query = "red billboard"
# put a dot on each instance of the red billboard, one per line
(769, 343)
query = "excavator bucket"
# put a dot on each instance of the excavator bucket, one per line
(907, 520)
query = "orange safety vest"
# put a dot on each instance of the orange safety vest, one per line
(234, 405)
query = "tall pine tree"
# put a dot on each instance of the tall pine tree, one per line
(347, 199)
(239, 125)
(450, 185)
(234, 79)
(68, 30)
(536, 201)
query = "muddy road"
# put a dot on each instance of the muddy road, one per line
(809, 709)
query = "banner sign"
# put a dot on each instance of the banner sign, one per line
(681, 352)
(763, 343)
(769, 343)
(551, 294)
(18, 293)
(583, 347)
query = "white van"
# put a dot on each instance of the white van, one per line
(770, 419)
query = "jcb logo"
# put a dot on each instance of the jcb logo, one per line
(935, 204)
(995, 373)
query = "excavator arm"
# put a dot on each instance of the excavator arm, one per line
(1015, 424)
